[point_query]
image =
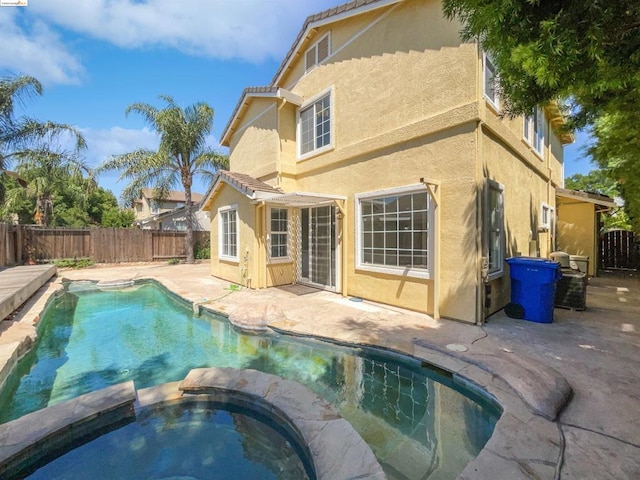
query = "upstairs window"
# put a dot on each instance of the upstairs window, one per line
(491, 81)
(314, 126)
(317, 54)
(534, 130)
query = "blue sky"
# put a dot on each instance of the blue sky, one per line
(96, 57)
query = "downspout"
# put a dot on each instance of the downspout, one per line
(481, 259)
(434, 190)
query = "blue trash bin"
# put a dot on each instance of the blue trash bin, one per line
(533, 288)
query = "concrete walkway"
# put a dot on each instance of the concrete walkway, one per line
(597, 436)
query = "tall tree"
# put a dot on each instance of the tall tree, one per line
(585, 53)
(182, 153)
(19, 135)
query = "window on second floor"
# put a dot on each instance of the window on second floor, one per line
(491, 80)
(318, 53)
(314, 126)
(534, 130)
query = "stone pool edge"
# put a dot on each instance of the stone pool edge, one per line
(526, 444)
(314, 421)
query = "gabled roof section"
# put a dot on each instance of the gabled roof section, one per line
(245, 99)
(331, 15)
(245, 184)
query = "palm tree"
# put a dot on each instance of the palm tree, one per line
(182, 153)
(19, 136)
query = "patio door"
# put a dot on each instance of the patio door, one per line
(318, 246)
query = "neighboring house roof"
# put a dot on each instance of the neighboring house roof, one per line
(588, 197)
(173, 195)
(245, 184)
(325, 17)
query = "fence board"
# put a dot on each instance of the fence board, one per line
(103, 245)
(619, 250)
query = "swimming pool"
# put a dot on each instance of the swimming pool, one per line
(415, 420)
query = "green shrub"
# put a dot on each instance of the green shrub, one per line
(173, 261)
(82, 262)
(202, 250)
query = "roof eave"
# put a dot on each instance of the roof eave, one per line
(586, 197)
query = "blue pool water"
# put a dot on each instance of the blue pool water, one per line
(194, 441)
(416, 421)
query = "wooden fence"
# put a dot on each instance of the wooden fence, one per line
(102, 245)
(619, 249)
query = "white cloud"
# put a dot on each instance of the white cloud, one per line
(253, 30)
(36, 50)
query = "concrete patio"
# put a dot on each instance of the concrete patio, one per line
(524, 364)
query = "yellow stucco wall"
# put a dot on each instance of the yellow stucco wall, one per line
(255, 147)
(577, 230)
(246, 269)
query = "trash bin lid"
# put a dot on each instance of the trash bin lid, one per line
(533, 262)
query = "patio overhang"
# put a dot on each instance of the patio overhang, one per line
(300, 199)
(603, 202)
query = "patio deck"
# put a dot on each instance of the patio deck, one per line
(17, 284)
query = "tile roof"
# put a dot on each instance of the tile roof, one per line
(247, 183)
(173, 195)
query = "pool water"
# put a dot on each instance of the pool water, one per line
(194, 441)
(417, 423)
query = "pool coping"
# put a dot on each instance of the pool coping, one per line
(527, 443)
(314, 422)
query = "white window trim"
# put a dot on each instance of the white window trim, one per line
(499, 271)
(309, 68)
(546, 226)
(494, 104)
(529, 130)
(311, 101)
(401, 271)
(286, 259)
(221, 256)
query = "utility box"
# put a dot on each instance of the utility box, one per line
(571, 291)
(579, 262)
(533, 287)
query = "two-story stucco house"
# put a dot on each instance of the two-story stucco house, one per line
(377, 165)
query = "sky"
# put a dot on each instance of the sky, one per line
(96, 57)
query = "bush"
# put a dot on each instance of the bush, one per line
(173, 261)
(202, 251)
(74, 262)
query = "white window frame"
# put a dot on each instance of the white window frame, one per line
(311, 104)
(534, 131)
(426, 273)
(314, 48)
(287, 257)
(495, 100)
(222, 211)
(496, 271)
(546, 210)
